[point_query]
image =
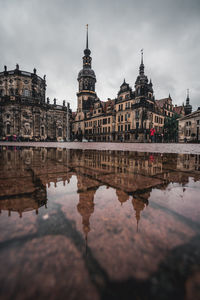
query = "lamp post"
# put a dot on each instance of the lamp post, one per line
(68, 122)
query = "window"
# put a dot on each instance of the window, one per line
(104, 121)
(8, 129)
(122, 118)
(11, 92)
(42, 131)
(59, 131)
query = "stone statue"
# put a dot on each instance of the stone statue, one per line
(54, 100)
(17, 67)
(63, 102)
(34, 70)
(5, 68)
(47, 100)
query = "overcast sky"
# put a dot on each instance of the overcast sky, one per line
(50, 35)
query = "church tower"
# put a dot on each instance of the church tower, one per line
(143, 88)
(86, 79)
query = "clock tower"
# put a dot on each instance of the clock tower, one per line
(86, 79)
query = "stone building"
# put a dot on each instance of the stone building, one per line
(128, 117)
(25, 113)
(189, 127)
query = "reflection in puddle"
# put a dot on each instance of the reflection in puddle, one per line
(121, 220)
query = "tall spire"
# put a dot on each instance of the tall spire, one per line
(87, 51)
(142, 64)
(188, 98)
(87, 37)
(141, 56)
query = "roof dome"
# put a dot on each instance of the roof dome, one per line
(86, 72)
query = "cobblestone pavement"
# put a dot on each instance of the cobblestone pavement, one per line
(140, 147)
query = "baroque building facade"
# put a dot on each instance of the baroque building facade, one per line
(25, 113)
(131, 116)
(189, 127)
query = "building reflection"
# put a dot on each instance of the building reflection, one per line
(27, 173)
(138, 206)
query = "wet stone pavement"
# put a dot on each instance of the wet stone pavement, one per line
(91, 224)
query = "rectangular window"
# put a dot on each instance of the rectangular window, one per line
(42, 130)
(59, 131)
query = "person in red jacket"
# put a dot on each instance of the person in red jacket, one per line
(152, 134)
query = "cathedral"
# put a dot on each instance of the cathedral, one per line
(132, 116)
(26, 114)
